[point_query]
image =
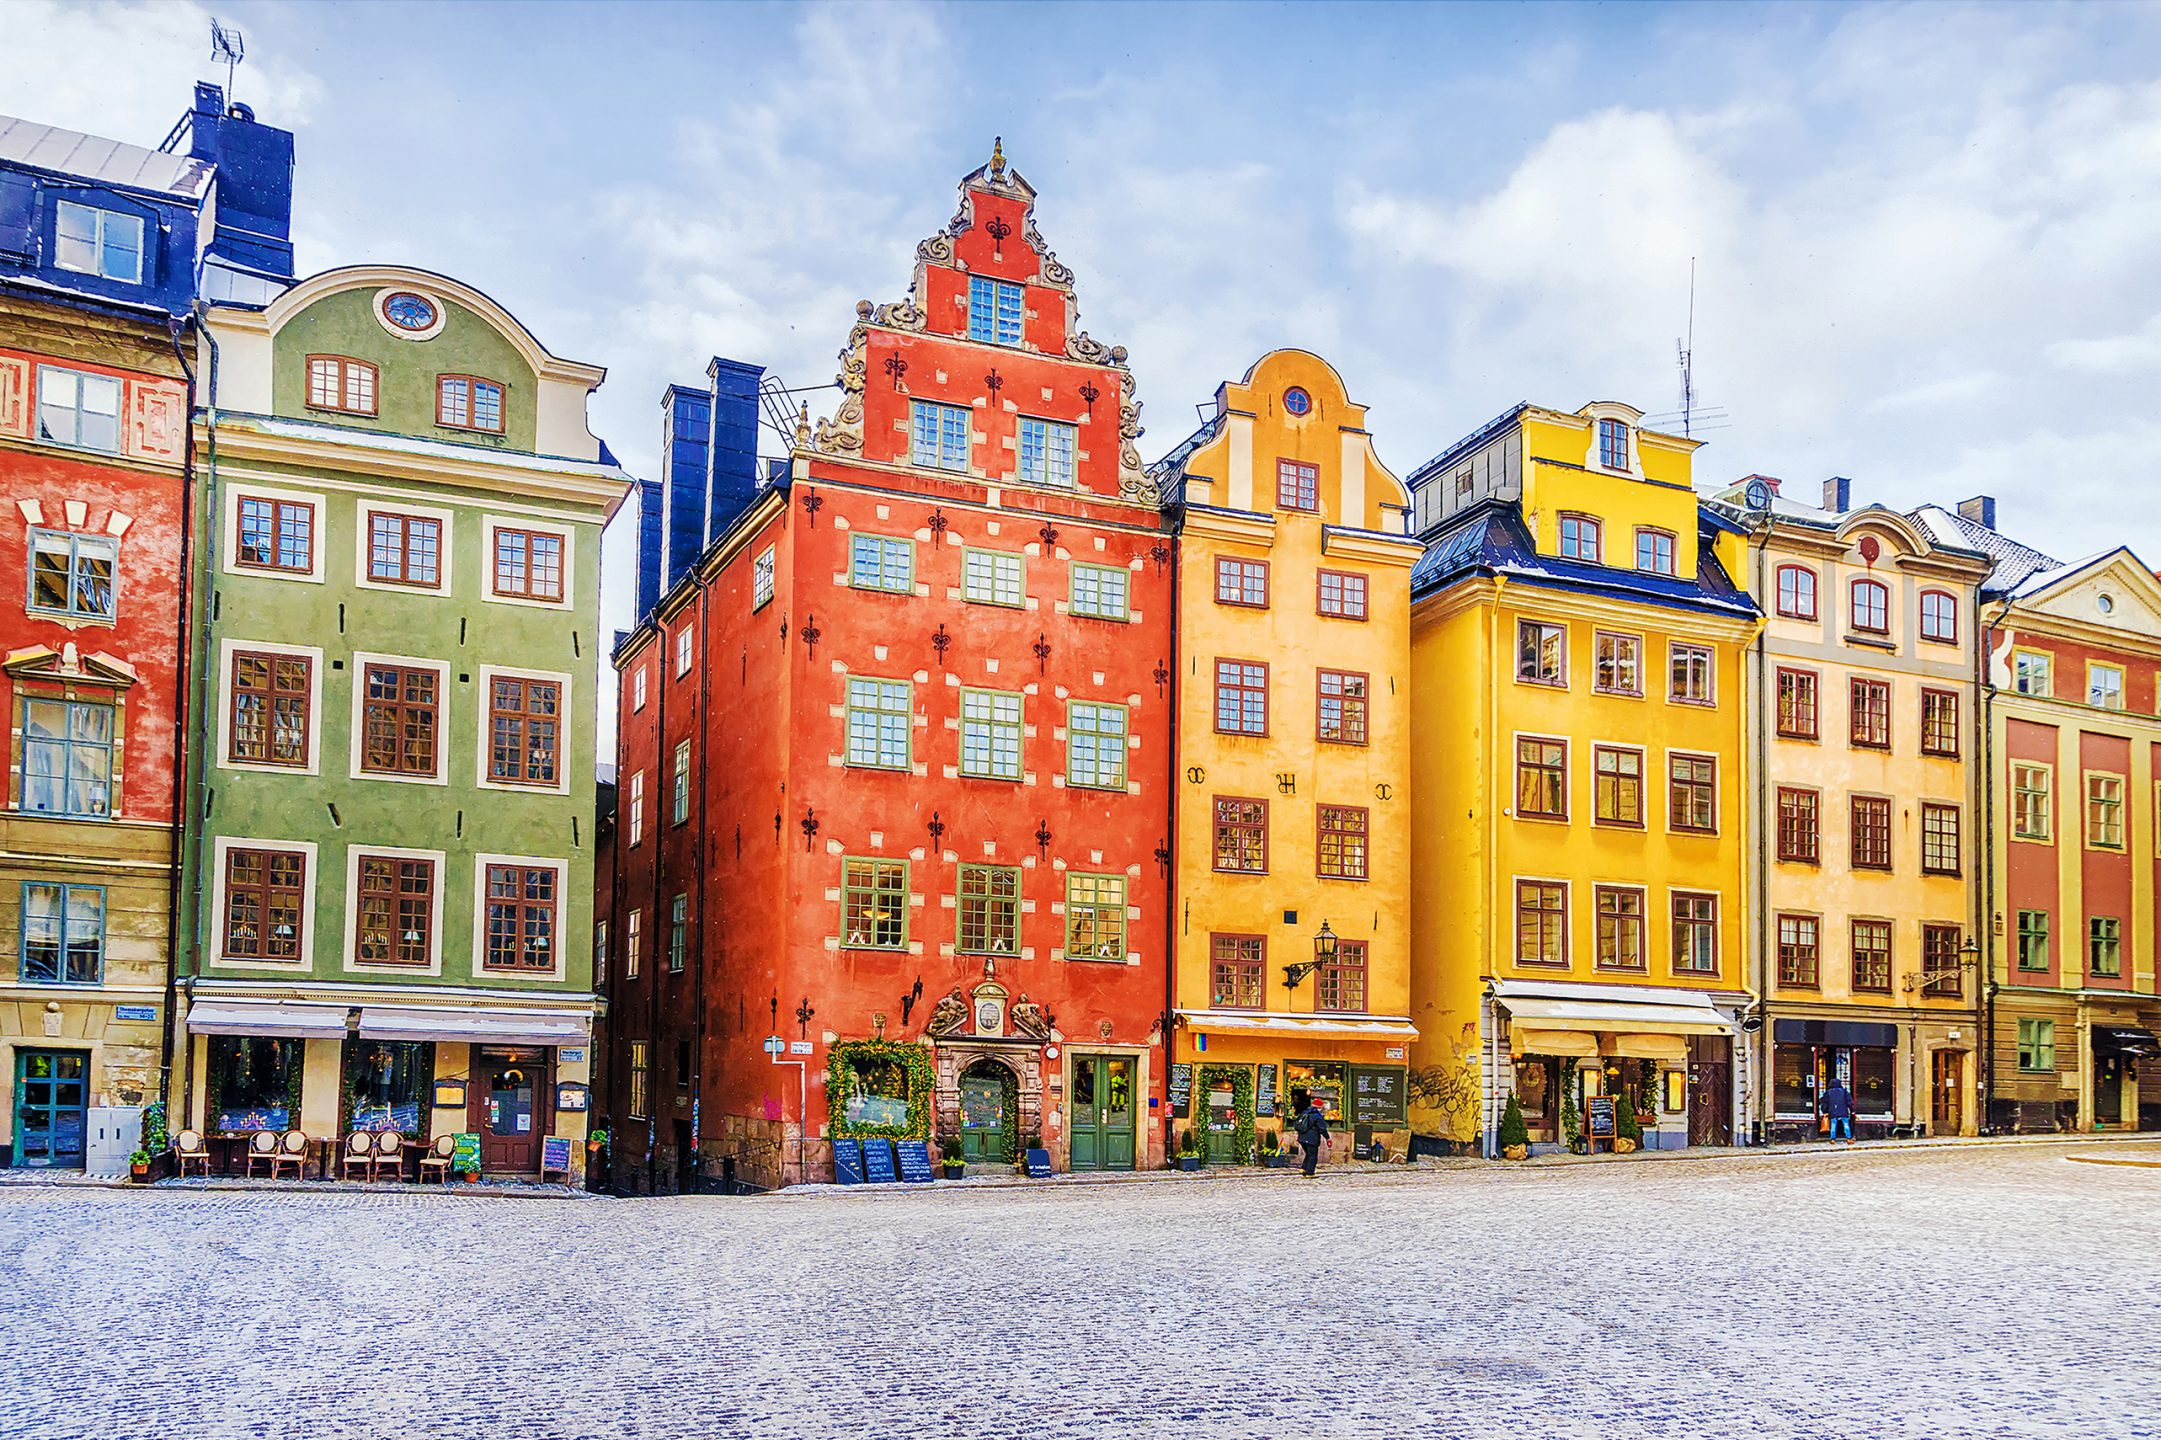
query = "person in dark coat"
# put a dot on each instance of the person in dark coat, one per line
(1312, 1134)
(1838, 1104)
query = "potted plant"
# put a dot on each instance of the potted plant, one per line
(1031, 1143)
(139, 1166)
(1272, 1153)
(1189, 1151)
(950, 1160)
(597, 1141)
(1627, 1133)
(1515, 1135)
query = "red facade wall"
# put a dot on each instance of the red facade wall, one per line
(2105, 875)
(2031, 876)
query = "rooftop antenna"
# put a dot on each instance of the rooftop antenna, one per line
(226, 45)
(1687, 347)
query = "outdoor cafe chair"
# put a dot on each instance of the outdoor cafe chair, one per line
(188, 1147)
(389, 1155)
(437, 1158)
(293, 1151)
(359, 1155)
(262, 1150)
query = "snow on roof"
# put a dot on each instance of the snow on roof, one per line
(2015, 563)
(107, 162)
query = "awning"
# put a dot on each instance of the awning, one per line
(2125, 1040)
(267, 1017)
(486, 1026)
(1351, 1027)
(1528, 1012)
(1648, 1047)
(1580, 1043)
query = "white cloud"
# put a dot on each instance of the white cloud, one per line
(129, 71)
(2110, 354)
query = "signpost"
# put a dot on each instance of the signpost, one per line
(554, 1155)
(1377, 1096)
(1598, 1120)
(1264, 1093)
(878, 1162)
(1038, 1165)
(465, 1153)
(848, 1161)
(1181, 1091)
(915, 1161)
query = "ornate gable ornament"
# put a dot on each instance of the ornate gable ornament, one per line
(842, 433)
(69, 665)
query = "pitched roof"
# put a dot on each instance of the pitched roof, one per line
(1478, 439)
(1169, 473)
(1489, 538)
(107, 162)
(2015, 563)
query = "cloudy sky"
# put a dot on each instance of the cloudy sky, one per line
(1925, 238)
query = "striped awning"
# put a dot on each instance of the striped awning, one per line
(280, 1018)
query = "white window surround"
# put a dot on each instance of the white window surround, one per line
(229, 549)
(221, 844)
(478, 966)
(442, 311)
(356, 671)
(762, 582)
(1629, 418)
(353, 857)
(362, 547)
(489, 524)
(227, 648)
(483, 688)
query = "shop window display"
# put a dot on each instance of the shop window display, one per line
(387, 1083)
(254, 1083)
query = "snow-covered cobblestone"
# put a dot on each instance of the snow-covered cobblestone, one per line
(1988, 1291)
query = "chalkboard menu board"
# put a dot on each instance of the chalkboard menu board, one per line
(554, 1154)
(878, 1162)
(1377, 1096)
(1264, 1093)
(1598, 1117)
(1039, 1164)
(915, 1161)
(848, 1162)
(465, 1154)
(1181, 1091)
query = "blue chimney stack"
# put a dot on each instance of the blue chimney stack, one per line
(649, 537)
(687, 415)
(732, 474)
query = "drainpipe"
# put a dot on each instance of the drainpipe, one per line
(1170, 880)
(654, 1066)
(180, 726)
(701, 729)
(1490, 1103)
(1760, 1065)
(1984, 922)
(197, 640)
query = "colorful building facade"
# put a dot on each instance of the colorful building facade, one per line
(389, 870)
(102, 246)
(1580, 917)
(895, 746)
(1290, 944)
(1865, 720)
(2072, 689)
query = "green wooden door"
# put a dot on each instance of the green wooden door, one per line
(982, 1117)
(1221, 1113)
(1102, 1112)
(51, 1091)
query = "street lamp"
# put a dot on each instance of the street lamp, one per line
(1324, 953)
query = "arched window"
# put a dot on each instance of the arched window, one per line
(1871, 606)
(1613, 444)
(1939, 616)
(1797, 592)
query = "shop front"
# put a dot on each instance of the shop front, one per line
(1244, 1075)
(1809, 1056)
(1668, 1056)
(510, 1078)
(2122, 1055)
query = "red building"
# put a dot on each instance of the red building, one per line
(895, 746)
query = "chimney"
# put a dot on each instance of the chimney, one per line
(254, 211)
(687, 423)
(1981, 510)
(649, 533)
(1838, 494)
(732, 462)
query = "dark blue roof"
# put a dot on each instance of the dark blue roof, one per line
(1477, 440)
(1489, 538)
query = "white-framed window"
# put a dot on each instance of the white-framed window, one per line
(72, 575)
(879, 714)
(991, 577)
(761, 579)
(994, 310)
(1100, 592)
(99, 242)
(990, 734)
(278, 535)
(69, 756)
(262, 902)
(1047, 451)
(338, 382)
(637, 689)
(2104, 686)
(938, 435)
(529, 562)
(633, 942)
(78, 408)
(679, 811)
(636, 808)
(63, 933)
(1613, 444)
(268, 712)
(881, 562)
(394, 909)
(520, 903)
(2030, 672)
(686, 640)
(1096, 746)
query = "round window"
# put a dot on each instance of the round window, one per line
(1297, 401)
(2107, 603)
(408, 311)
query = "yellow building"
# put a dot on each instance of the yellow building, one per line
(1290, 943)
(1868, 870)
(1579, 915)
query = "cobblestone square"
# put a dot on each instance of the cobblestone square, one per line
(1984, 1291)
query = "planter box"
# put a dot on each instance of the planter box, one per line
(1189, 1163)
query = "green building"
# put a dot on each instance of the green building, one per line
(388, 868)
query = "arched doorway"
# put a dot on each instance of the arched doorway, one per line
(989, 1112)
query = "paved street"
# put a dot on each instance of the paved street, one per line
(1985, 1292)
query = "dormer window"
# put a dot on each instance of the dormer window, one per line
(467, 402)
(1613, 444)
(99, 242)
(1581, 539)
(337, 383)
(1654, 551)
(994, 311)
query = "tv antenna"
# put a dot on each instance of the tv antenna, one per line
(1687, 347)
(226, 44)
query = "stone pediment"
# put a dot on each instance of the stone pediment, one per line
(2114, 591)
(68, 664)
